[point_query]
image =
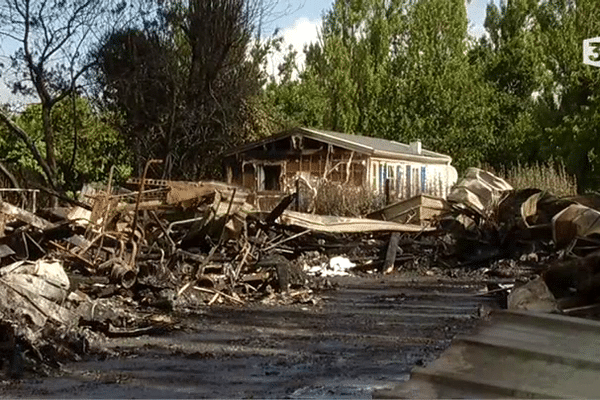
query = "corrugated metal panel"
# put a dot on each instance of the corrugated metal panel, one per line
(514, 355)
(328, 223)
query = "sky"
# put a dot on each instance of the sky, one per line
(300, 26)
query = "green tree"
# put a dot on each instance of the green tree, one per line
(398, 70)
(440, 96)
(50, 37)
(345, 70)
(294, 100)
(511, 61)
(99, 146)
(569, 106)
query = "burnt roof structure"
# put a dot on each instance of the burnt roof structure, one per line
(374, 147)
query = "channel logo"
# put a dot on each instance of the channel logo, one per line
(591, 51)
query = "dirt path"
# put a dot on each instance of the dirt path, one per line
(367, 334)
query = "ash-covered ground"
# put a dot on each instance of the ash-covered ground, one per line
(366, 333)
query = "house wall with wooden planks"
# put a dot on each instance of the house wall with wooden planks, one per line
(282, 163)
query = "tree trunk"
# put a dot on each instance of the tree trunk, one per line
(21, 134)
(49, 138)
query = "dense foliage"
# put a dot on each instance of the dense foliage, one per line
(404, 69)
(85, 150)
(186, 79)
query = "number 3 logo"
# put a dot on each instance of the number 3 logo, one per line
(591, 51)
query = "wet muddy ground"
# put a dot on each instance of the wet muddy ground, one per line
(366, 334)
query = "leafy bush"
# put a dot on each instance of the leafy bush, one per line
(81, 158)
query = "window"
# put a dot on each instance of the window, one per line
(374, 173)
(415, 181)
(399, 181)
(382, 174)
(408, 181)
(270, 177)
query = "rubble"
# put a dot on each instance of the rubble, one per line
(533, 296)
(118, 262)
(421, 209)
(336, 266)
(529, 234)
(95, 269)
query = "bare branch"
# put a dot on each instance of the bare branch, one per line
(10, 176)
(42, 21)
(51, 35)
(69, 29)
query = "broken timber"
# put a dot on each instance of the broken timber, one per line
(25, 216)
(390, 257)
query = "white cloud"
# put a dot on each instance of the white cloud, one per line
(302, 32)
(477, 31)
(476, 10)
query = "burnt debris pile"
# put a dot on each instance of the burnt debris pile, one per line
(126, 261)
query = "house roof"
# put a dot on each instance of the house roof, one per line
(364, 144)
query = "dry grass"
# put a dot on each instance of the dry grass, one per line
(552, 178)
(345, 200)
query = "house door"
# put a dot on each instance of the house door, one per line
(248, 178)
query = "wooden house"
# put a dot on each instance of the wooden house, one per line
(276, 163)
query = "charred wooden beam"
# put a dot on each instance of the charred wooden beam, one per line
(390, 257)
(25, 216)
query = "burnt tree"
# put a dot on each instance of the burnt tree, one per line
(183, 85)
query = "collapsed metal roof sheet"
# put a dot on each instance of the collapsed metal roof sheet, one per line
(332, 224)
(515, 354)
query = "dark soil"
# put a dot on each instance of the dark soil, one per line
(368, 333)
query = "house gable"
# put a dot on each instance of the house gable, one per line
(374, 147)
(277, 163)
